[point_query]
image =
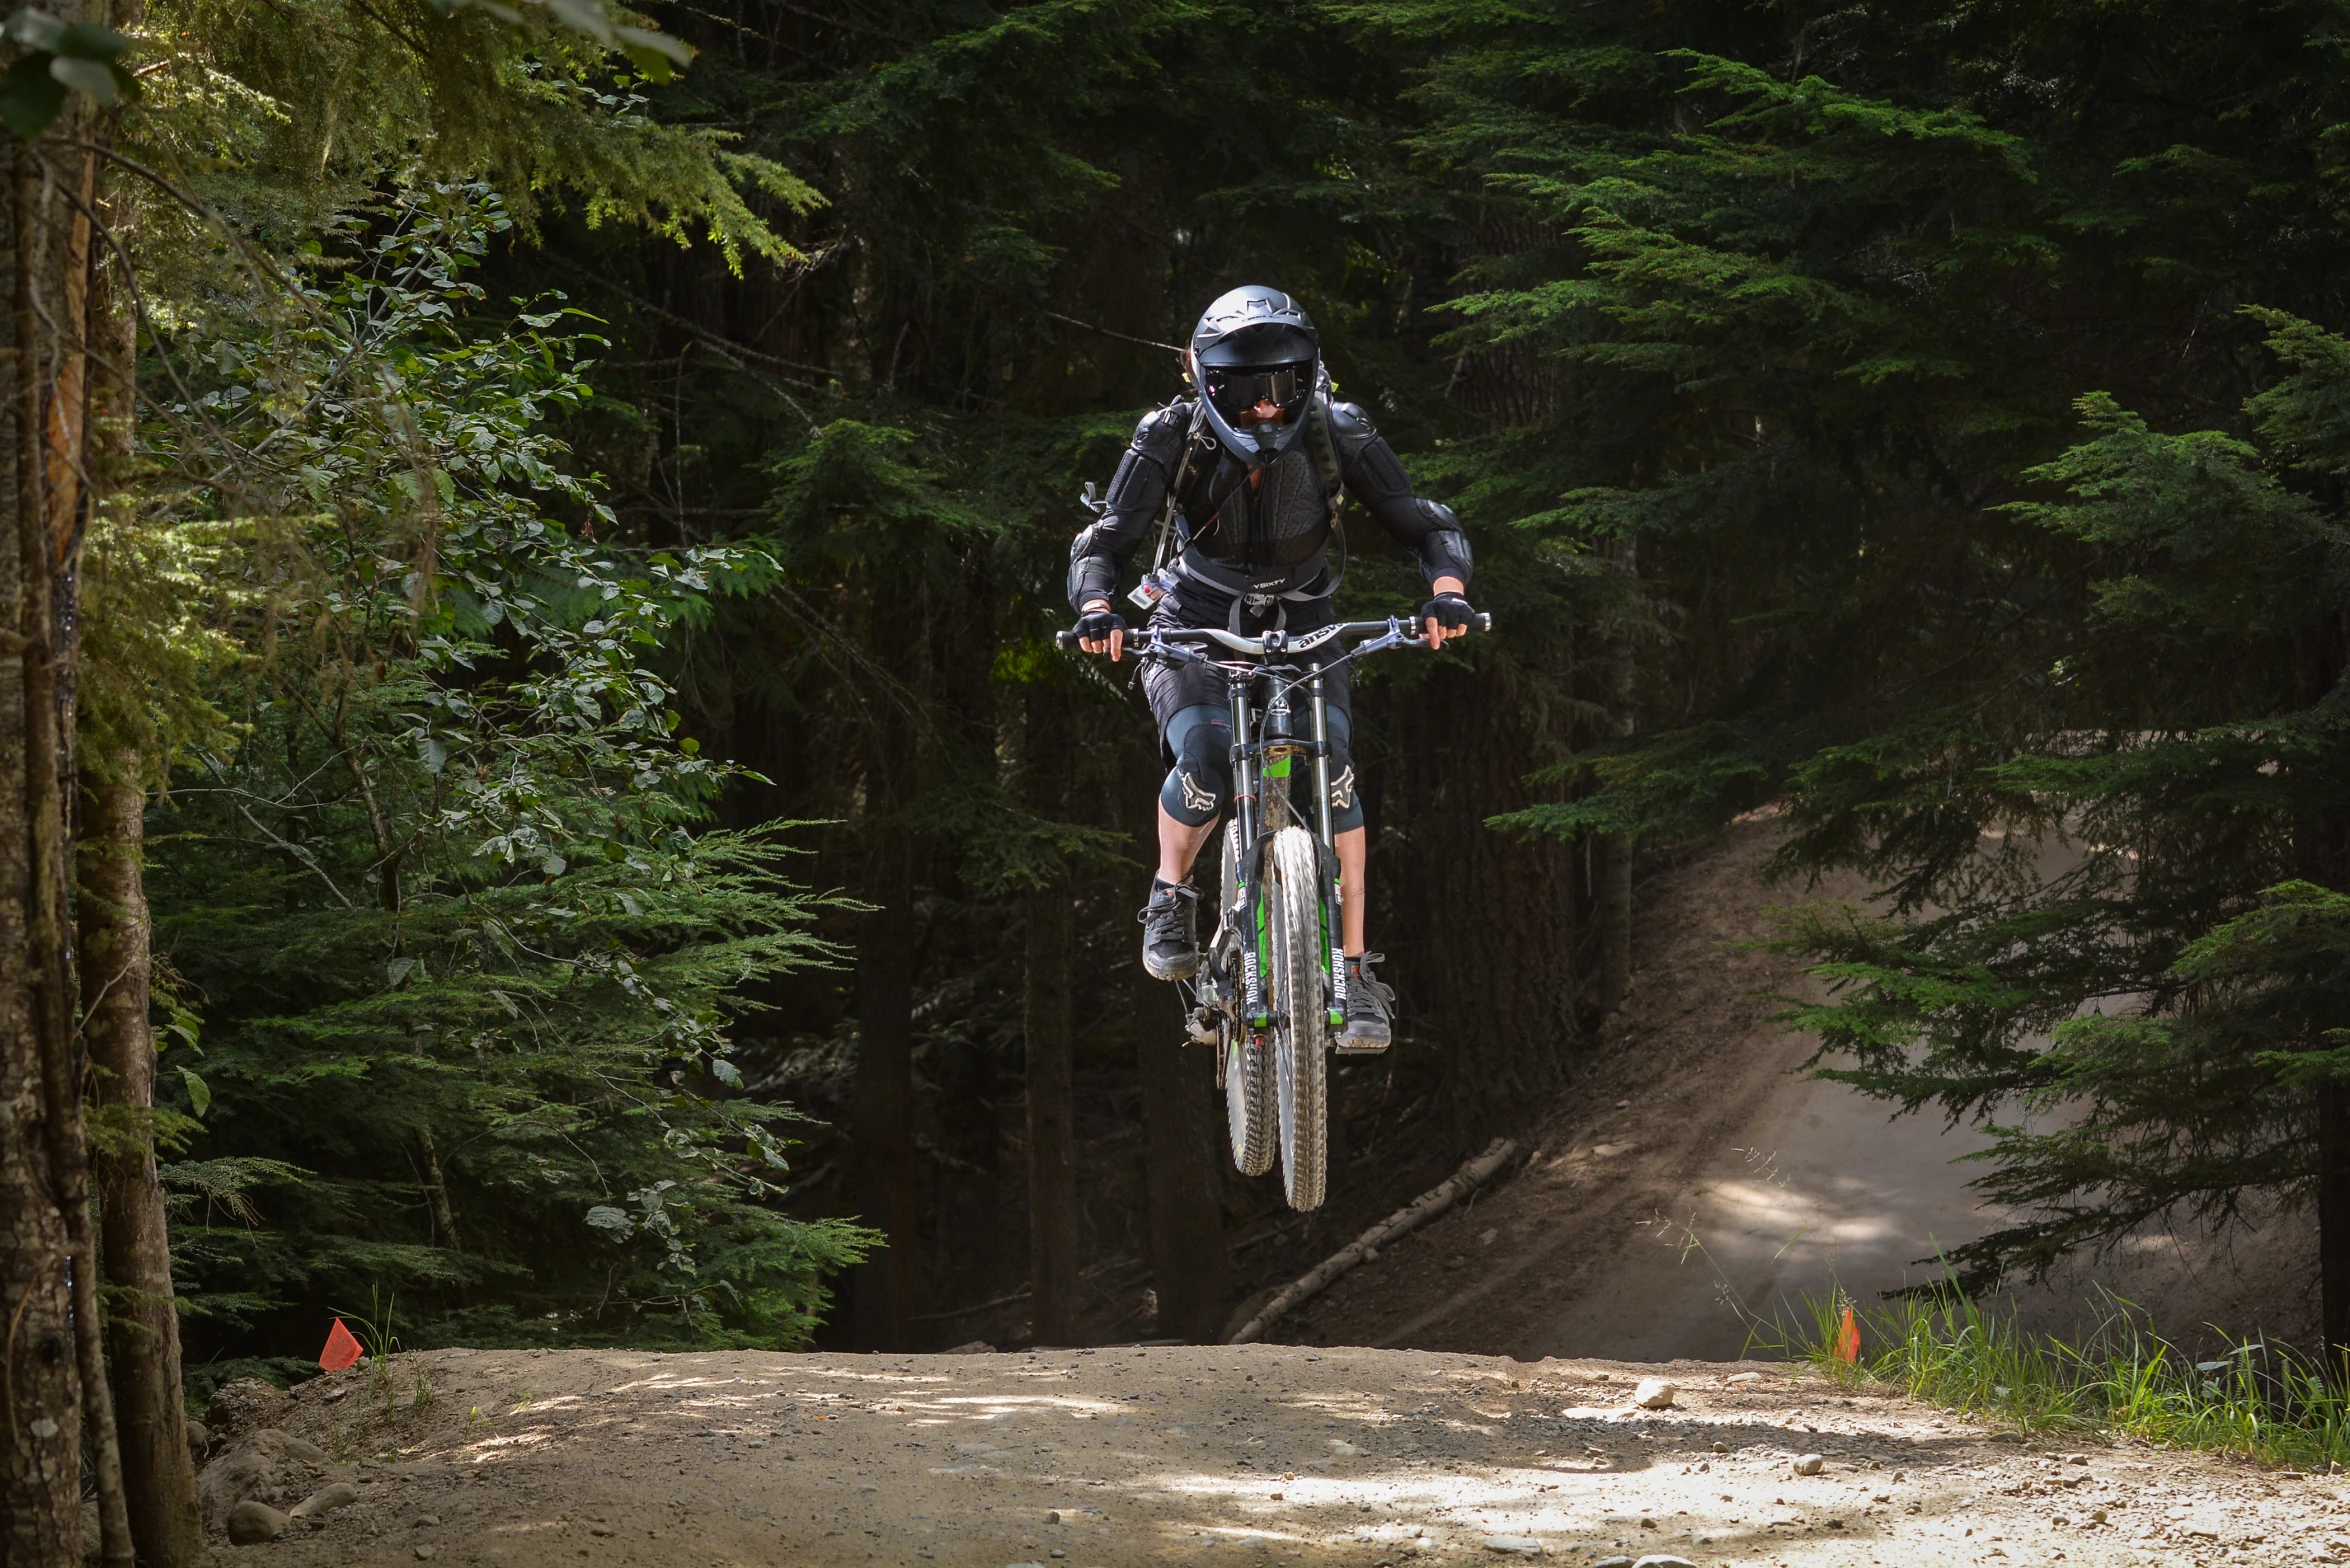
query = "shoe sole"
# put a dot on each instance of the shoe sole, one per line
(1158, 973)
(1362, 1045)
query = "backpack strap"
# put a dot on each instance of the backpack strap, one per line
(1155, 582)
(1322, 447)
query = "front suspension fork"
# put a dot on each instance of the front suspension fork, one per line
(1334, 892)
(1251, 914)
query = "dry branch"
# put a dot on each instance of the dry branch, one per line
(1472, 1175)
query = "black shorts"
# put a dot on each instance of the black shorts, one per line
(1173, 687)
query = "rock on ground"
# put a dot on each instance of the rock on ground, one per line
(328, 1498)
(251, 1523)
(1227, 1455)
(270, 1466)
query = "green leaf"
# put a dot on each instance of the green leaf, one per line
(652, 63)
(30, 97)
(397, 971)
(611, 1221)
(199, 1092)
(583, 16)
(89, 41)
(639, 41)
(35, 29)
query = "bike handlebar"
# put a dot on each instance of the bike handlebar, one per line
(1268, 644)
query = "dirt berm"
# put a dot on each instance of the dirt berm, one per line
(1253, 1455)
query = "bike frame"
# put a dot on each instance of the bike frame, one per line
(1258, 755)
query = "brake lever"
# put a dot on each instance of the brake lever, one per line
(1173, 652)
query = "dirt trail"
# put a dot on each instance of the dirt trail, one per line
(1693, 1183)
(1254, 1455)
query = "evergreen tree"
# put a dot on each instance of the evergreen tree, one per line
(1827, 294)
(2175, 994)
(462, 968)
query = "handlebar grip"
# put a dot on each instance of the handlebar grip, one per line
(1065, 639)
(1483, 620)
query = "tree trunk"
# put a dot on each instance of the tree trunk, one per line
(1611, 856)
(1480, 927)
(2333, 1226)
(1052, 1118)
(159, 1476)
(164, 1515)
(1190, 1269)
(50, 506)
(881, 1127)
(1050, 1034)
(42, 1172)
(436, 1191)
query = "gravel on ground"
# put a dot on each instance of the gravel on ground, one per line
(1242, 1455)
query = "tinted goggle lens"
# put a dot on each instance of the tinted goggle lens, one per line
(1237, 389)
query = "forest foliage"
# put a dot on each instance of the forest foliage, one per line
(589, 500)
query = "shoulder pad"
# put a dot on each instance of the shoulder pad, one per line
(1159, 433)
(1350, 424)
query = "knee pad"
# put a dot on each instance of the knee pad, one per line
(1346, 802)
(1200, 783)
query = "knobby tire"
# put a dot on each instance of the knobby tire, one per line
(1293, 894)
(1249, 1100)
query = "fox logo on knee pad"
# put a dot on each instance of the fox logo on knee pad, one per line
(1342, 790)
(1200, 798)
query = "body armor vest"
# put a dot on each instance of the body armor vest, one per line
(1275, 518)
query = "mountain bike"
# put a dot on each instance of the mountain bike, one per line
(1271, 992)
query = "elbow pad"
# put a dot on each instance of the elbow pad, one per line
(1093, 570)
(1444, 549)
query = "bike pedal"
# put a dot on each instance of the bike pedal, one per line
(1357, 1048)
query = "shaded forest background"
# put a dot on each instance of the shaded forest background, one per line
(1929, 416)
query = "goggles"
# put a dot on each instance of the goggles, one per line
(1235, 389)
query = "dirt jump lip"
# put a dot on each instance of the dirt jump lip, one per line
(1213, 1454)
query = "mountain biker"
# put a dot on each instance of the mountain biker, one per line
(1255, 457)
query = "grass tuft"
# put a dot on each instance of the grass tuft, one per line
(2121, 1379)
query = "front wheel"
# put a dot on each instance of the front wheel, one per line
(1300, 956)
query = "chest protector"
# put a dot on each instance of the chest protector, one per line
(1260, 520)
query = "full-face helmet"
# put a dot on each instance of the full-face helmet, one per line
(1256, 346)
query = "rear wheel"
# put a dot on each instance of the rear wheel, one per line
(1249, 1102)
(1293, 896)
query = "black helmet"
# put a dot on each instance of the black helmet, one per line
(1255, 345)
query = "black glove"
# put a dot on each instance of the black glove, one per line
(1448, 610)
(1096, 625)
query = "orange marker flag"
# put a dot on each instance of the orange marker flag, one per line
(1847, 1339)
(342, 1349)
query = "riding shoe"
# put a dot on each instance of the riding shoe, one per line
(1370, 1005)
(1170, 941)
